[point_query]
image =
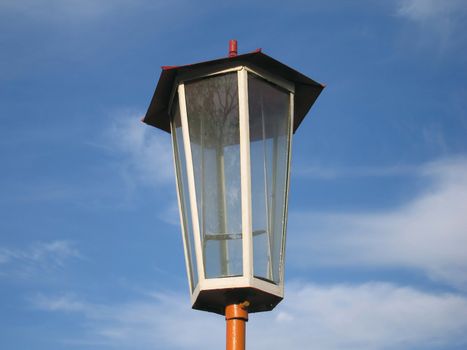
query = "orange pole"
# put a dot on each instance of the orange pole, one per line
(236, 316)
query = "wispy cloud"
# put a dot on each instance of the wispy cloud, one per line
(440, 21)
(367, 316)
(423, 10)
(131, 156)
(170, 214)
(153, 320)
(63, 303)
(331, 173)
(145, 153)
(36, 257)
(429, 233)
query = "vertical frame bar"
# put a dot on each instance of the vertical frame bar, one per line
(191, 184)
(247, 236)
(189, 269)
(286, 211)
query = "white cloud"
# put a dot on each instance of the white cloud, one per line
(429, 233)
(38, 256)
(132, 156)
(153, 322)
(423, 10)
(146, 152)
(441, 21)
(369, 316)
(328, 173)
(63, 303)
(59, 250)
(170, 214)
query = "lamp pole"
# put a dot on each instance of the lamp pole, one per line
(236, 316)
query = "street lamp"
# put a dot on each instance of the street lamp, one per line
(232, 121)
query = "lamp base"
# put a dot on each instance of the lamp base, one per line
(216, 300)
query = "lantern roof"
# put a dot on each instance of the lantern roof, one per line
(307, 90)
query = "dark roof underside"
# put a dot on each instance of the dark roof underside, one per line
(306, 89)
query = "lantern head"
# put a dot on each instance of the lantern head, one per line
(232, 122)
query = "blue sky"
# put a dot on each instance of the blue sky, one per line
(90, 245)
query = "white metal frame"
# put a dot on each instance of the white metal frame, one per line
(189, 269)
(245, 181)
(191, 183)
(287, 187)
(248, 279)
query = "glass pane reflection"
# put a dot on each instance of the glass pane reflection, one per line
(269, 109)
(180, 163)
(212, 108)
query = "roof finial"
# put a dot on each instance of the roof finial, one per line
(232, 48)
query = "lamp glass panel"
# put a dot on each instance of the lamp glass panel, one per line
(213, 120)
(269, 113)
(182, 186)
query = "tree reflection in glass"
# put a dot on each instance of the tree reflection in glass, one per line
(213, 119)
